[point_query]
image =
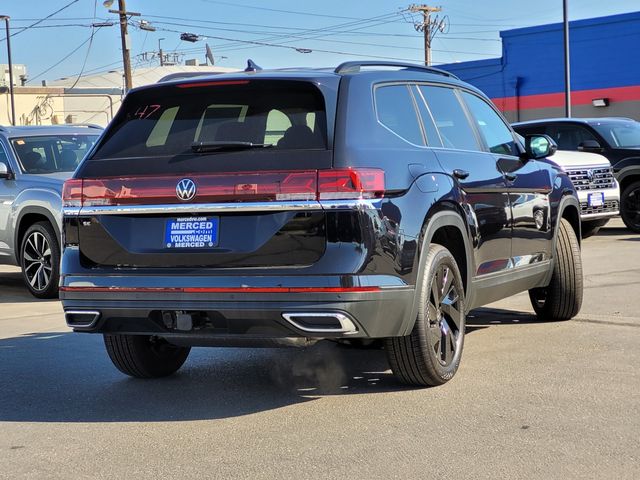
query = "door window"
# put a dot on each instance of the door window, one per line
(450, 118)
(568, 137)
(496, 134)
(395, 110)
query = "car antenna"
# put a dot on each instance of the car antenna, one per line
(252, 66)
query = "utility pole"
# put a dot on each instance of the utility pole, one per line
(13, 103)
(428, 26)
(567, 61)
(126, 56)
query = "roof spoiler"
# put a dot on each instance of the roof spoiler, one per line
(183, 75)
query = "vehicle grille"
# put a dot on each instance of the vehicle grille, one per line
(592, 178)
(609, 206)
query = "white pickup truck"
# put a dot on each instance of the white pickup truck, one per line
(597, 188)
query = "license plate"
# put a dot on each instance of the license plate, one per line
(191, 232)
(595, 199)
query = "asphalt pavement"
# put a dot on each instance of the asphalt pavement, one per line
(531, 400)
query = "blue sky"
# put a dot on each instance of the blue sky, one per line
(333, 30)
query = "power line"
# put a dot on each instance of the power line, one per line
(93, 33)
(43, 19)
(61, 60)
(292, 12)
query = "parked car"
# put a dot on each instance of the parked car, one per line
(617, 139)
(34, 163)
(373, 201)
(598, 190)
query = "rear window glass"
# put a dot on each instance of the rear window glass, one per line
(174, 120)
(395, 110)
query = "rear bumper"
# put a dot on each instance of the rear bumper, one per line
(230, 310)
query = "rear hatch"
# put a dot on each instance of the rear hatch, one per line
(208, 174)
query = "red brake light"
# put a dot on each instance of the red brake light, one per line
(303, 185)
(350, 183)
(212, 84)
(72, 193)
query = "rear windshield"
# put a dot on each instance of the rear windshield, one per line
(169, 121)
(51, 153)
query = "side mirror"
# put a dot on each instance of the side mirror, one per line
(5, 172)
(590, 146)
(539, 146)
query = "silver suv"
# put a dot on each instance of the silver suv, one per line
(34, 163)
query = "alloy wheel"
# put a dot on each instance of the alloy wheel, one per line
(631, 208)
(36, 258)
(444, 316)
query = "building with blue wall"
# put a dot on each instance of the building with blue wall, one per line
(527, 82)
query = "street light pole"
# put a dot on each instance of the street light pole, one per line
(13, 104)
(567, 62)
(160, 52)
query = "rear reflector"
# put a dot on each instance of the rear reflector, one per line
(222, 289)
(302, 185)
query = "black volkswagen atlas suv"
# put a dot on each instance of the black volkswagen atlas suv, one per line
(281, 208)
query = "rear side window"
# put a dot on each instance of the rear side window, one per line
(450, 118)
(396, 111)
(171, 120)
(495, 132)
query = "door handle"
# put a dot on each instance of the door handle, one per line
(510, 176)
(460, 174)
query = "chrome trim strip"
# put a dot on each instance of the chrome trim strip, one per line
(96, 316)
(184, 208)
(346, 324)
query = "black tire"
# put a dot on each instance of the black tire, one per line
(40, 260)
(630, 206)
(431, 354)
(143, 356)
(562, 299)
(591, 227)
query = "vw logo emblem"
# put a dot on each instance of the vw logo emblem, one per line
(186, 189)
(590, 175)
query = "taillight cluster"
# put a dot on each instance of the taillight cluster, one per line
(305, 185)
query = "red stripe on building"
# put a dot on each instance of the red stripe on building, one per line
(578, 97)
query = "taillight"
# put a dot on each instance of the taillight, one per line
(303, 185)
(72, 193)
(350, 183)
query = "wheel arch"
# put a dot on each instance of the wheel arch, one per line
(445, 226)
(628, 175)
(27, 217)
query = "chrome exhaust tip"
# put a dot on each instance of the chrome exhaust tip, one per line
(81, 318)
(321, 322)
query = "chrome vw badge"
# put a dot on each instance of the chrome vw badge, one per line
(186, 189)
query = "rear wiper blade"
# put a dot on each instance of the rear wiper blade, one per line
(204, 147)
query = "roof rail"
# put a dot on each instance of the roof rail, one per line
(87, 125)
(355, 67)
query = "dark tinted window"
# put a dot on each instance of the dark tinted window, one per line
(3, 156)
(450, 118)
(568, 137)
(620, 135)
(495, 132)
(52, 153)
(169, 120)
(433, 138)
(395, 110)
